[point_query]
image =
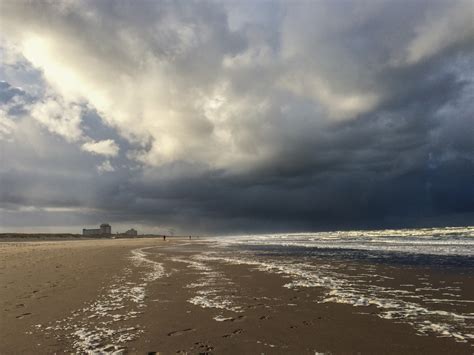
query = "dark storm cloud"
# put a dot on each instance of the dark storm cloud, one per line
(241, 117)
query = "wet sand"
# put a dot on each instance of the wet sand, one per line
(146, 296)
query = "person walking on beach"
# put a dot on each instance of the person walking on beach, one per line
(164, 238)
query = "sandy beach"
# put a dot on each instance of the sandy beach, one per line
(181, 296)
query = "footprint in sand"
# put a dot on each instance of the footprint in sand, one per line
(203, 348)
(238, 319)
(180, 332)
(23, 315)
(235, 332)
(230, 319)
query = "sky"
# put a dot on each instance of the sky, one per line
(233, 117)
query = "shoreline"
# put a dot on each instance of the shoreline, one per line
(153, 296)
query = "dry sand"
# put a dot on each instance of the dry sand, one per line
(71, 296)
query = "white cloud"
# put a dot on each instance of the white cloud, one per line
(59, 117)
(106, 148)
(105, 167)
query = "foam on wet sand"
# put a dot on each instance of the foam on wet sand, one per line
(97, 327)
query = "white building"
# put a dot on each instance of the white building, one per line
(105, 229)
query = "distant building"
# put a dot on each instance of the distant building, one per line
(105, 229)
(131, 232)
(91, 231)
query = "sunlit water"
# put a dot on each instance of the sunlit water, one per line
(429, 241)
